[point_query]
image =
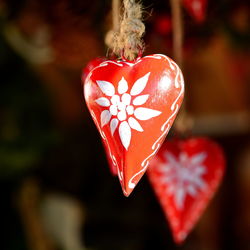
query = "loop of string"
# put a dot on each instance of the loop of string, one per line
(111, 34)
(127, 42)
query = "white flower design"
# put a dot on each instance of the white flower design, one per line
(122, 110)
(183, 176)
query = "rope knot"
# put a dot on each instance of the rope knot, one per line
(128, 40)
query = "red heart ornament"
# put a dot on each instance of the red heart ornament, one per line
(196, 8)
(133, 104)
(90, 66)
(185, 174)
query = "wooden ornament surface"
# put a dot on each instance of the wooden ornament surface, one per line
(133, 105)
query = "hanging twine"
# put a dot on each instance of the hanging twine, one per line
(177, 30)
(111, 34)
(127, 42)
(184, 122)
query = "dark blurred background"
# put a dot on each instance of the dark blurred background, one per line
(55, 186)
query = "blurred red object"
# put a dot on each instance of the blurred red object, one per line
(163, 25)
(196, 9)
(185, 174)
(91, 65)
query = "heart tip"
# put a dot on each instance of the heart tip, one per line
(128, 189)
(180, 238)
(179, 242)
(127, 192)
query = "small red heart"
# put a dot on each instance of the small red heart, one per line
(196, 9)
(185, 174)
(90, 66)
(133, 104)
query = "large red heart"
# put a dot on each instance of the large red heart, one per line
(90, 66)
(196, 8)
(185, 175)
(133, 104)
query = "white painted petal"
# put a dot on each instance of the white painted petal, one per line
(126, 98)
(130, 110)
(134, 124)
(113, 125)
(121, 106)
(199, 170)
(113, 110)
(183, 158)
(191, 190)
(139, 85)
(122, 86)
(115, 99)
(171, 158)
(198, 158)
(105, 117)
(165, 168)
(106, 87)
(125, 134)
(122, 115)
(103, 101)
(145, 113)
(141, 99)
(200, 183)
(180, 197)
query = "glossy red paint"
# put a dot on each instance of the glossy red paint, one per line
(133, 104)
(90, 66)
